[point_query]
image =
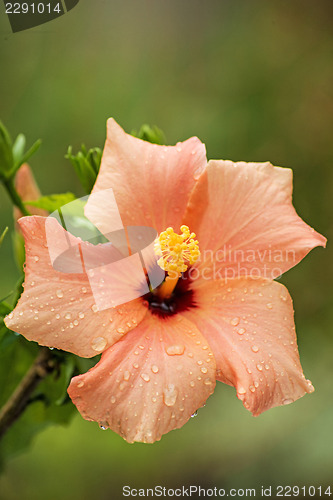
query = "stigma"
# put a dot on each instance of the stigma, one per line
(176, 251)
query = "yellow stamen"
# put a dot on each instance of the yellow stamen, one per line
(177, 252)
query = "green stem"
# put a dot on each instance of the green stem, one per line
(43, 365)
(14, 196)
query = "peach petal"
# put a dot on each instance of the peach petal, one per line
(149, 382)
(151, 183)
(249, 325)
(28, 190)
(58, 309)
(245, 222)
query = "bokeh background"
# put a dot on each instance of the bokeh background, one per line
(254, 81)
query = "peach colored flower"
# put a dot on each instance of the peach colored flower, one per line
(163, 353)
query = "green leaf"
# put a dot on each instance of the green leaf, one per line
(53, 201)
(54, 387)
(18, 147)
(35, 418)
(49, 403)
(3, 235)
(4, 309)
(25, 157)
(19, 250)
(6, 155)
(86, 165)
(150, 134)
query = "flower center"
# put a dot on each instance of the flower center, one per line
(177, 252)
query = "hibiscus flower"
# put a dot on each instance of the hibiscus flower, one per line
(225, 231)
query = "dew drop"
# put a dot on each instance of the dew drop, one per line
(81, 315)
(102, 427)
(94, 308)
(255, 348)
(259, 367)
(120, 330)
(252, 388)
(234, 321)
(68, 315)
(241, 331)
(170, 395)
(203, 369)
(145, 377)
(127, 375)
(194, 414)
(80, 384)
(36, 258)
(59, 294)
(287, 401)
(174, 350)
(154, 369)
(269, 305)
(98, 344)
(208, 381)
(75, 322)
(113, 399)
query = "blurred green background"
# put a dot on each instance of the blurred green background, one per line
(254, 81)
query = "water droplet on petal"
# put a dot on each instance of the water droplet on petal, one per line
(145, 377)
(269, 305)
(59, 294)
(127, 375)
(255, 348)
(98, 344)
(174, 350)
(94, 308)
(194, 414)
(154, 369)
(234, 321)
(170, 395)
(113, 399)
(203, 369)
(259, 367)
(80, 384)
(102, 427)
(287, 401)
(208, 381)
(241, 331)
(36, 258)
(81, 315)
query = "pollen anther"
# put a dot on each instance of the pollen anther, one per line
(176, 251)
